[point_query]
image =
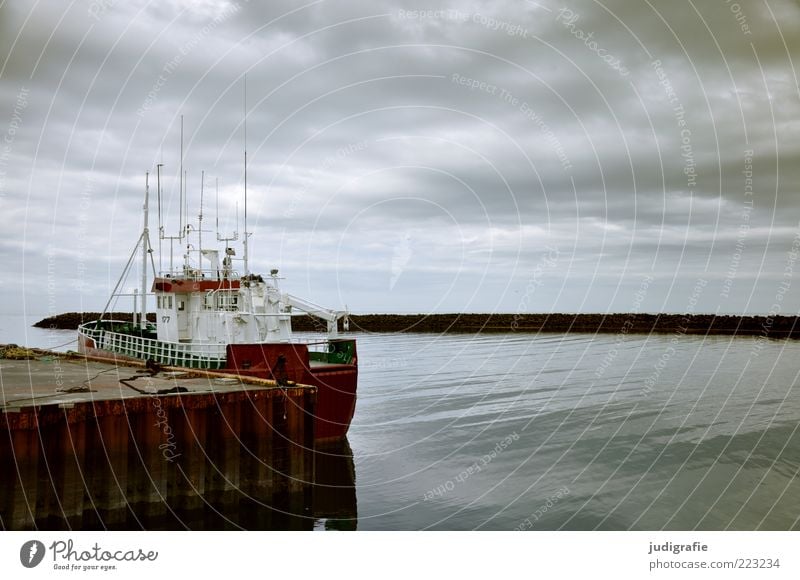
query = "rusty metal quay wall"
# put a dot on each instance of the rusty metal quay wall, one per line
(107, 457)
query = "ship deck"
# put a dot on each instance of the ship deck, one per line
(66, 381)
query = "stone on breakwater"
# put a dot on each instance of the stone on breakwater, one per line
(775, 327)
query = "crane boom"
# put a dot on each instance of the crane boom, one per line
(329, 316)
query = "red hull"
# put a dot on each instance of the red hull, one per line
(336, 383)
(336, 402)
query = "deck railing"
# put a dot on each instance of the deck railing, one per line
(190, 354)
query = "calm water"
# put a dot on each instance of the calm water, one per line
(569, 432)
(19, 329)
(712, 444)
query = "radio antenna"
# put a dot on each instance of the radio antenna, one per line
(186, 226)
(200, 224)
(180, 207)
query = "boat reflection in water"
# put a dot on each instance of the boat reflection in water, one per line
(334, 490)
(201, 492)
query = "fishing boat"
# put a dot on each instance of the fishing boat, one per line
(210, 315)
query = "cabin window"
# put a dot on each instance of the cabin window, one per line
(158, 300)
(228, 301)
(169, 302)
(181, 305)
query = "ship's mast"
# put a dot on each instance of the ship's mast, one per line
(200, 224)
(160, 221)
(180, 209)
(145, 244)
(187, 225)
(181, 229)
(233, 236)
(246, 268)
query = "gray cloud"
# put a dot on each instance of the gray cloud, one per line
(413, 157)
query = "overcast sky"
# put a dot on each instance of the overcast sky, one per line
(414, 157)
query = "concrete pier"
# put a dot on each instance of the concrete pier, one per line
(91, 445)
